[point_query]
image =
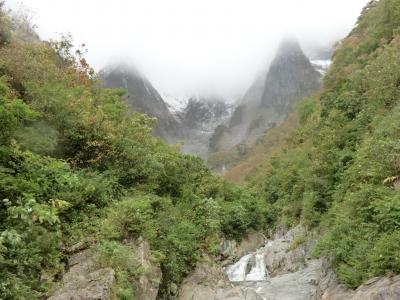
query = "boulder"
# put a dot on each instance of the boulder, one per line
(146, 286)
(280, 257)
(382, 288)
(231, 250)
(81, 282)
(379, 288)
(84, 281)
(208, 281)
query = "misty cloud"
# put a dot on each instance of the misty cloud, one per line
(184, 46)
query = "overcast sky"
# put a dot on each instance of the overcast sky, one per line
(187, 45)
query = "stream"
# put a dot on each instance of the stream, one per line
(293, 279)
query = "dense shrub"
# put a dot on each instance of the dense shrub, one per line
(340, 168)
(76, 165)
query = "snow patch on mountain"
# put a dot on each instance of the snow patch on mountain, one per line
(321, 65)
(176, 103)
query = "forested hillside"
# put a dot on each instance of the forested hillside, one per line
(340, 170)
(76, 165)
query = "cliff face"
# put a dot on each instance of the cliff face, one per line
(144, 98)
(291, 76)
(198, 121)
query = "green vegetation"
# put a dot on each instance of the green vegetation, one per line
(76, 165)
(340, 170)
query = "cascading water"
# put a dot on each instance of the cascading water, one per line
(250, 279)
(258, 272)
(237, 272)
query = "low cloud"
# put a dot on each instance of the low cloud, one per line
(185, 45)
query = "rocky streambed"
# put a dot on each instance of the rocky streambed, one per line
(281, 268)
(251, 273)
(277, 269)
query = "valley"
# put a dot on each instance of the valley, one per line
(111, 188)
(211, 126)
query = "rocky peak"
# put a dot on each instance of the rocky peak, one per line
(142, 97)
(289, 48)
(291, 76)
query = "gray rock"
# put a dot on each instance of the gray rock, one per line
(250, 264)
(231, 250)
(328, 285)
(383, 288)
(379, 288)
(206, 282)
(279, 260)
(300, 285)
(147, 284)
(228, 249)
(82, 282)
(143, 97)
(266, 104)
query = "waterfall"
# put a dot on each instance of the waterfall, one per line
(258, 272)
(237, 271)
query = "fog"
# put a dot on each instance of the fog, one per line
(185, 46)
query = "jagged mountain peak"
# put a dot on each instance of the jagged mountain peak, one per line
(289, 46)
(291, 76)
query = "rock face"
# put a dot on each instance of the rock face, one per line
(82, 282)
(294, 276)
(198, 121)
(291, 76)
(85, 281)
(230, 250)
(208, 281)
(144, 98)
(292, 286)
(380, 288)
(283, 256)
(146, 287)
(290, 274)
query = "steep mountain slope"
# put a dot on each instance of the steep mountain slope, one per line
(267, 103)
(144, 98)
(340, 170)
(253, 164)
(338, 175)
(290, 77)
(198, 121)
(92, 205)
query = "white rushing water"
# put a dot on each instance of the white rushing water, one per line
(237, 271)
(258, 272)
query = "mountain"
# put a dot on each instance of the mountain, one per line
(190, 120)
(291, 76)
(269, 99)
(144, 98)
(198, 120)
(94, 207)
